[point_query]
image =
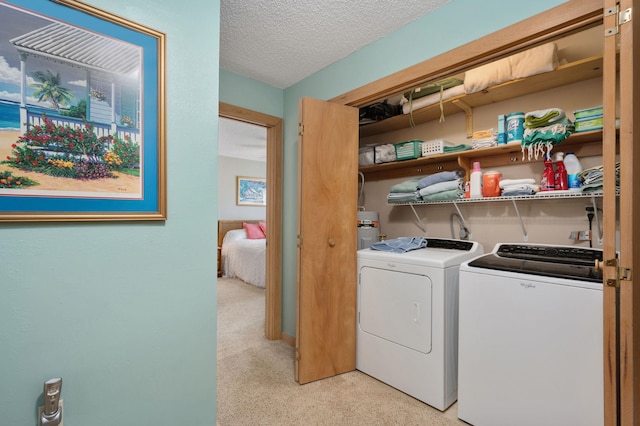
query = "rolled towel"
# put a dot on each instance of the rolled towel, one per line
(543, 117)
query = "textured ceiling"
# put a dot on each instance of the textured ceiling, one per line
(281, 42)
(242, 140)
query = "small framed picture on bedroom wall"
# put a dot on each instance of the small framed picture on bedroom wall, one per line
(251, 191)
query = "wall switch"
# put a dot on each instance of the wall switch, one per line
(41, 410)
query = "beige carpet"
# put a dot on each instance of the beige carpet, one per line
(256, 385)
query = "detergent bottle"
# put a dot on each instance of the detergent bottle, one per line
(574, 168)
(547, 182)
(561, 183)
(475, 183)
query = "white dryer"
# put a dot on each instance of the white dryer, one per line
(407, 334)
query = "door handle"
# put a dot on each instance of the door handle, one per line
(332, 242)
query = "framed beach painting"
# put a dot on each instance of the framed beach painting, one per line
(82, 114)
(251, 191)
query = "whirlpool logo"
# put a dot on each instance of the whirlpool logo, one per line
(527, 285)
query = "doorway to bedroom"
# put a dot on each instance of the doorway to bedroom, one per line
(272, 128)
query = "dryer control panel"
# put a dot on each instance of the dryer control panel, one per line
(449, 244)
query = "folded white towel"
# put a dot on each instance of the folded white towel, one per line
(520, 187)
(507, 182)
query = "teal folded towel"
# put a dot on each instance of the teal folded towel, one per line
(453, 194)
(410, 185)
(457, 148)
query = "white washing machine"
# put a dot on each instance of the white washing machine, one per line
(408, 318)
(531, 337)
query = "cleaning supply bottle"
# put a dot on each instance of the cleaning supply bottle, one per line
(561, 183)
(547, 182)
(475, 183)
(573, 166)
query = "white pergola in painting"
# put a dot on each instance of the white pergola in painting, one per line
(113, 73)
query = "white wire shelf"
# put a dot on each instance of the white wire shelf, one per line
(539, 196)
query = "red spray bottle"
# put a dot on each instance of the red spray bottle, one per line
(547, 182)
(561, 182)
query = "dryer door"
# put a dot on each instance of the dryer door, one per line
(396, 306)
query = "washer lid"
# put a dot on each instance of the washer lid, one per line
(574, 263)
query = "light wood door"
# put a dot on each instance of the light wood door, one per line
(610, 216)
(327, 218)
(622, 37)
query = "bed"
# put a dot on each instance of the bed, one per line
(240, 256)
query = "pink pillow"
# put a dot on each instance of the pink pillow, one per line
(253, 231)
(263, 226)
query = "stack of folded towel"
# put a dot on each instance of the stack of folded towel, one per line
(543, 129)
(404, 192)
(515, 187)
(441, 186)
(484, 138)
(592, 178)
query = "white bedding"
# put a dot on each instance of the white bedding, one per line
(244, 258)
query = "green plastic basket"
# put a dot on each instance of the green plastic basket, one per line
(408, 150)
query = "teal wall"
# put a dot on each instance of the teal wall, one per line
(125, 313)
(456, 23)
(251, 94)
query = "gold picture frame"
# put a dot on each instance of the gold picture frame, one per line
(96, 152)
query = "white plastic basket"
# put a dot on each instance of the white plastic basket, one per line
(433, 147)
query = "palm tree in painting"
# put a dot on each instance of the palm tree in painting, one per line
(49, 89)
